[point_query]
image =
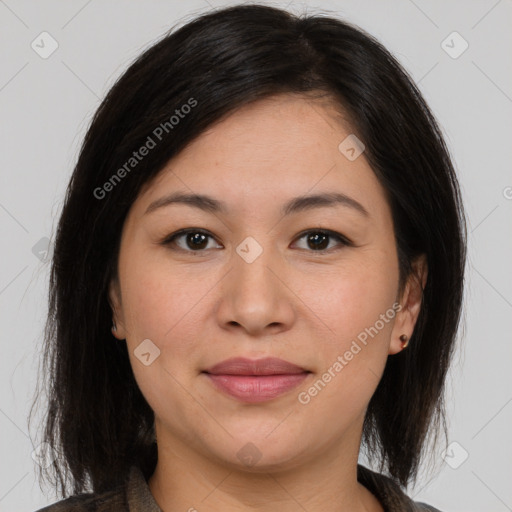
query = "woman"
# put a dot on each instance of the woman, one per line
(258, 273)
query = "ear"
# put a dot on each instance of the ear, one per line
(114, 299)
(411, 304)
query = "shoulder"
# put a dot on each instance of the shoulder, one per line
(111, 501)
(420, 507)
(133, 495)
(389, 493)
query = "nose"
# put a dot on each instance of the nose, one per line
(255, 296)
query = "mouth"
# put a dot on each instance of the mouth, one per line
(253, 381)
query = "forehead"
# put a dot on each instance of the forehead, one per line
(267, 152)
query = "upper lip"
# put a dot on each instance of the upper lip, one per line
(265, 366)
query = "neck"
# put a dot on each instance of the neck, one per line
(184, 479)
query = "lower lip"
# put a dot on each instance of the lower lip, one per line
(251, 388)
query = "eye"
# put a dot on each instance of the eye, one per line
(197, 240)
(318, 239)
(192, 240)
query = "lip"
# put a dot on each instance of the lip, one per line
(265, 366)
(256, 380)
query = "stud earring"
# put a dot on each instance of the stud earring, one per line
(405, 340)
(114, 328)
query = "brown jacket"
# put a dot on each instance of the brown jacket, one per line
(135, 496)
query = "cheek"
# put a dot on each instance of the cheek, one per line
(162, 307)
(357, 307)
(359, 303)
(351, 297)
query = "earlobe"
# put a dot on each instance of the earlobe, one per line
(405, 340)
(398, 343)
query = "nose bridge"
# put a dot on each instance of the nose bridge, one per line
(252, 260)
(255, 297)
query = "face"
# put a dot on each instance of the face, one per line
(250, 273)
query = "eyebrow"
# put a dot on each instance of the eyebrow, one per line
(295, 205)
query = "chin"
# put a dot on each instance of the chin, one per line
(260, 454)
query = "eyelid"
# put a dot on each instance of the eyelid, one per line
(333, 234)
(169, 239)
(343, 240)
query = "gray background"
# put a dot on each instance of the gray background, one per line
(46, 105)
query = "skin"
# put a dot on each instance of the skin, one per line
(293, 302)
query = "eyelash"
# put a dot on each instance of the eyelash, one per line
(343, 241)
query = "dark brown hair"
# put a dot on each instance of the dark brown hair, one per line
(97, 420)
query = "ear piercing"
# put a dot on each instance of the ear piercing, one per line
(114, 328)
(405, 340)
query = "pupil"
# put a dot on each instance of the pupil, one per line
(315, 238)
(197, 237)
